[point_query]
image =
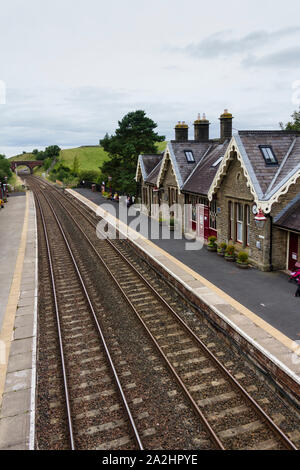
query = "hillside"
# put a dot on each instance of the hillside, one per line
(90, 158)
(23, 157)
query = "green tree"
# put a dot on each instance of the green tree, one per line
(293, 125)
(4, 168)
(47, 163)
(75, 166)
(40, 155)
(134, 136)
(52, 151)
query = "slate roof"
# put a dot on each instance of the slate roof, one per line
(147, 163)
(267, 179)
(289, 217)
(201, 178)
(152, 177)
(182, 167)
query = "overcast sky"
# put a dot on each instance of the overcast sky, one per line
(73, 68)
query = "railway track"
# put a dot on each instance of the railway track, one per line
(231, 417)
(83, 349)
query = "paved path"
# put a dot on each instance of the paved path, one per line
(11, 224)
(268, 295)
(18, 331)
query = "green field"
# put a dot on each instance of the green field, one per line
(89, 158)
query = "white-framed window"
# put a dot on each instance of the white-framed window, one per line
(239, 222)
(248, 225)
(231, 221)
(189, 156)
(268, 154)
(213, 215)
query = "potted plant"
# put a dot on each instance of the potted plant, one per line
(171, 224)
(242, 260)
(229, 254)
(212, 246)
(222, 249)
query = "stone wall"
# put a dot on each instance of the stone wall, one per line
(234, 188)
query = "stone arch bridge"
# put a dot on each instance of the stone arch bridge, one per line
(30, 164)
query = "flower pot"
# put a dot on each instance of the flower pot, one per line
(242, 265)
(211, 248)
(229, 258)
(221, 253)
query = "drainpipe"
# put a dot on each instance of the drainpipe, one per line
(271, 243)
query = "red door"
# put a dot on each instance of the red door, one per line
(293, 253)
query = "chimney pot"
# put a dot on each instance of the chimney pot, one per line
(181, 132)
(201, 129)
(226, 125)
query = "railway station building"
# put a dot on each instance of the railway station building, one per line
(257, 194)
(183, 173)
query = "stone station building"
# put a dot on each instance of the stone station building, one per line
(260, 174)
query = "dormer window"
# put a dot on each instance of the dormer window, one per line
(189, 156)
(268, 155)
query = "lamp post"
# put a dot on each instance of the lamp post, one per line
(260, 219)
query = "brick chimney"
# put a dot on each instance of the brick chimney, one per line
(181, 132)
(201, 129)
(226, 125)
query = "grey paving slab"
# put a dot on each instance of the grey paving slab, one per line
(19, 380)
(24, 311)
(23, 332)
(19, 362)
(21, 346)
(15, 403)
(14, 431)
(24, 321)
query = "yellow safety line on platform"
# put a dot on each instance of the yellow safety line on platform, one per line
(12, 304)
(290, 344)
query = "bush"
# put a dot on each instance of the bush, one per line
(47, 163)
(90, 175)
(243, 257)
(230, 250)
(222, 247)
(212, 241)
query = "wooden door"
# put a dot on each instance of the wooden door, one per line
(293, 251)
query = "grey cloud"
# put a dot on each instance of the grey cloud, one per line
(222, 45)
(282, 59)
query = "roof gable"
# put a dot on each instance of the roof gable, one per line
(175, 151)
(146, 163)
(202, 176)
(266, 183)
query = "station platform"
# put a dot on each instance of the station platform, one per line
(257, 310)
(18, 311)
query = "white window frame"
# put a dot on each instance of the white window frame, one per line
(239, 223)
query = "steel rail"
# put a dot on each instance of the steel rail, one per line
(270, 423)
(125, 403)
(66, 388)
